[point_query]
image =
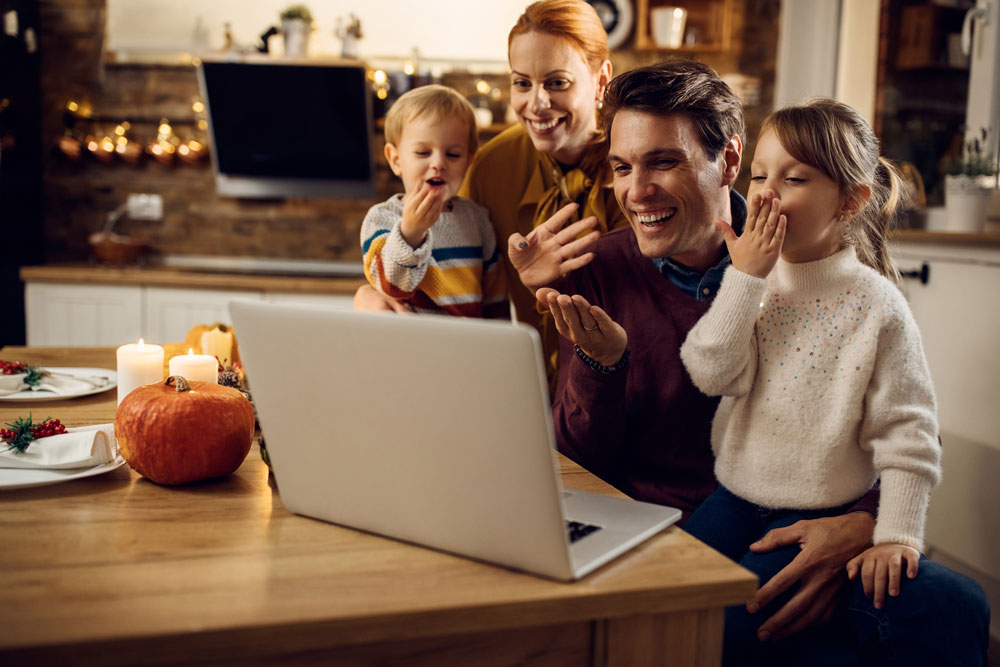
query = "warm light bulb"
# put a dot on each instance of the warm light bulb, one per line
(72, 106)
(408, 68)
(198, 107)
(381, 93)
(482, 87)
(380, 76)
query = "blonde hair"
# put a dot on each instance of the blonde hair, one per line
(572, 20)
(435, 101)
(835, 139)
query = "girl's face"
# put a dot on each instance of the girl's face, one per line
(815, 207)
(554, 94)
(432, 152)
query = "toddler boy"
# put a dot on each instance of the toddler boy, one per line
(427, 248)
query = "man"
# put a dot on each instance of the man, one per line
(625, 408)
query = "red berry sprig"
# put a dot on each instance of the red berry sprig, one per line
(22, 432)
(12, 367)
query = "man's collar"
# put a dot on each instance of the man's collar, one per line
(704, 285)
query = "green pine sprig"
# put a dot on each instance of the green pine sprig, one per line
(18, 435)
(33, 376)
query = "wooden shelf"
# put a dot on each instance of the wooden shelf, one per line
(711, 21)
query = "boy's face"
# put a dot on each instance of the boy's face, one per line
(432, 153)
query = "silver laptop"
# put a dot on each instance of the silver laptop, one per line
(433, 430)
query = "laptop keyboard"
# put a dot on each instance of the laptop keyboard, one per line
(577, 530)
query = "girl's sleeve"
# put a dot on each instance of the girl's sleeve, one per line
(392, 266)
(720, 352)
(900, 429)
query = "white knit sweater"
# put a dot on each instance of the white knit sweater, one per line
(825, 389)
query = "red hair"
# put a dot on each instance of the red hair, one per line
(572, 20)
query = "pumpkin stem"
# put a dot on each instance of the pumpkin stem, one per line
(180, 382)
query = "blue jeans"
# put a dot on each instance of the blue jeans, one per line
(940, 618)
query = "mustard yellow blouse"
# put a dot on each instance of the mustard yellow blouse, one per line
(523, 188)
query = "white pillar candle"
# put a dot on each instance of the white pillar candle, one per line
(193, 366)
(218, 343)
(138, 364)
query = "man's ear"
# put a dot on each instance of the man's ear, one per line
(732, 156)
(855, 201)
(392, 157)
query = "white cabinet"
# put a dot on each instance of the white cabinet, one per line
(63, 314)
(171, 312)
(959, 319)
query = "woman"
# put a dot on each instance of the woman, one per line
(551, 168)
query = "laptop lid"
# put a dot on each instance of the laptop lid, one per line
(432, 430)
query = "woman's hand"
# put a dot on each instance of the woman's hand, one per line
(421, 209)
(367, 298)
(601, 338)
(757, 250)
(881, 568)
(549, 251)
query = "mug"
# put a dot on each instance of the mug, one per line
(667, 26)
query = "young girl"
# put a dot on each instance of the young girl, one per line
(824, 382)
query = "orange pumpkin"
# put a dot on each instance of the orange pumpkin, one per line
(186, 432)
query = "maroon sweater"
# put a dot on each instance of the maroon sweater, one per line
(645, 430)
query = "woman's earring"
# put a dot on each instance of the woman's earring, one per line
(599, 104)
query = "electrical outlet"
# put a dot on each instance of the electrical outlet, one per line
(145, 207)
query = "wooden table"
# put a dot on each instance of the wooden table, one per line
(115, 570)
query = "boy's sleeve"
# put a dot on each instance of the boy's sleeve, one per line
(392, 266)
(495, 303)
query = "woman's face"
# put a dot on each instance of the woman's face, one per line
(554, 94)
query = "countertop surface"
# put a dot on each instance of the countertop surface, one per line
(152, 275)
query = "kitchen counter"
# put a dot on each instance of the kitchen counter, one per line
(165, 276)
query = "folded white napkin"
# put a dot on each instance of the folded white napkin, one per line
(80, 447)
(60, 385)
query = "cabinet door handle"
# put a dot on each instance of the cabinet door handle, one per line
(923, 273)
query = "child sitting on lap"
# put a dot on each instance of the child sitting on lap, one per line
(816, 354)
(427, 248)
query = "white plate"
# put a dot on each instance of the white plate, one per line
(49, 396)
(23, 478)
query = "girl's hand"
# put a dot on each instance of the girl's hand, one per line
(881, 567)
(757, 250)
(421, 209)
(549, 251)
(601, 338)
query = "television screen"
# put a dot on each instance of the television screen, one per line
(289, 130)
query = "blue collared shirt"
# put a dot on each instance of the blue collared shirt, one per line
(703, 286)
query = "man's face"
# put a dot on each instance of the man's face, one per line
(670, 191)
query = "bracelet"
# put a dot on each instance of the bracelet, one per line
(598, 366)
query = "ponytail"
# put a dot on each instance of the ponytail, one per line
(890, 199)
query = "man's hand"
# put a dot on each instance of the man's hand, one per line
(549, 251)
(421, 209)
(601, 338)
(826, 545)
(881, 567)
(367, 298)
(757, 250)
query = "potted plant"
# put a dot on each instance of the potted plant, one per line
(296, 26)
(969, 182)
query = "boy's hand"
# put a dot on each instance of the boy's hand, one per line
(757, 250)
(601, 338)
(550, 251)
(421, 209)
(881, 568)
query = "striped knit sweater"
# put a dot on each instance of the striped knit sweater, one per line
(454, 271)
(825, 389)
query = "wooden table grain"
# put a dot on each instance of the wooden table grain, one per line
(116, 570)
